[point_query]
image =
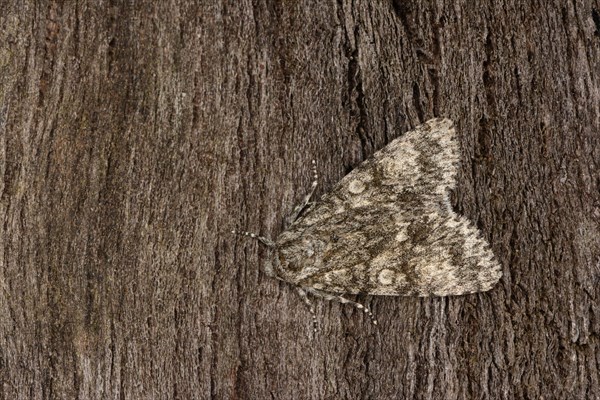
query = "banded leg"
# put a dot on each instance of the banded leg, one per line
(343, 300)
(306, 300)
(307, 198)
(262, 239)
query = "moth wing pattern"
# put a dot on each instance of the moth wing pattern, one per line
(387, 228)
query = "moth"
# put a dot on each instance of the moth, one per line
(387, 228)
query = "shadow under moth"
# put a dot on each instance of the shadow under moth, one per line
(387, 228)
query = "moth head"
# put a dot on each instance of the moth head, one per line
(295, 256)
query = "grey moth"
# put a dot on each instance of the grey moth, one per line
(387, 228)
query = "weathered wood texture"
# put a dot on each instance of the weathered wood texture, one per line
(135, 135)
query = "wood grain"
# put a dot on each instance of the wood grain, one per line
(135, 135)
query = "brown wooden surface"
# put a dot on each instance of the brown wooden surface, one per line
(134, 135)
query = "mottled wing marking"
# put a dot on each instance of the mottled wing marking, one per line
(387, 227)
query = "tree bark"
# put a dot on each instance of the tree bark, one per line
(134, 136)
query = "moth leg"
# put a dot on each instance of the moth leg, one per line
(343, 300)
(262, 239)
(306, 200)
(306, 300)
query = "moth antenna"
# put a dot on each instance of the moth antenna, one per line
(306, 200)
(314, 184)
(343, 300)
(262, 239)
(306, 300)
